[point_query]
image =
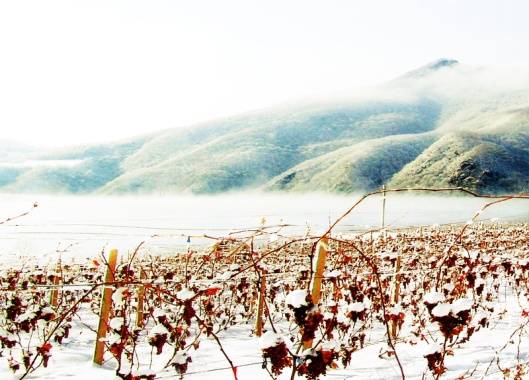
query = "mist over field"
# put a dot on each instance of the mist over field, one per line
(78, 226)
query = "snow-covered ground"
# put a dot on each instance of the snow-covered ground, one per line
(490, 352)
(481, 357)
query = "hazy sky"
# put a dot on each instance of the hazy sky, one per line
(99, 70)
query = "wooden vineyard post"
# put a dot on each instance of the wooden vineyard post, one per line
(141, 294)
(315, 284)
(383, 217)
(260, 306)
(106, 303)
(395, 295)
(54, 296)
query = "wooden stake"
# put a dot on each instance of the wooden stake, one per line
(315, 284)
(318, 270)
(54, 296)
(395, 295)
(141, 294)
(106, 303)
(260, 306)
(383, 218)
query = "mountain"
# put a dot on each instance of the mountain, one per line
(10, 149)
(443, 124)
(430, 68)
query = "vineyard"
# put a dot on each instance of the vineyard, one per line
(431, 302)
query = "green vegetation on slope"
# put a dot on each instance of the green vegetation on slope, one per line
(441, 125)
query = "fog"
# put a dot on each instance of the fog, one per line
(81, 227)
(461, 81)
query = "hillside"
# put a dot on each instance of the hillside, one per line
(444, 124)
(10, 149)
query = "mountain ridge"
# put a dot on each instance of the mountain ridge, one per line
(443, 124)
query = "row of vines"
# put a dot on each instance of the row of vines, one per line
(436, 287)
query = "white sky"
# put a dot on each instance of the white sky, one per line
(99, 70)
